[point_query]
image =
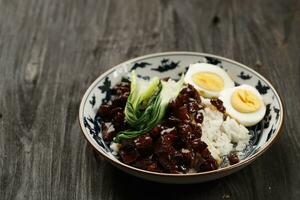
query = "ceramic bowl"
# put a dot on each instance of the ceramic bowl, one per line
(173, 64)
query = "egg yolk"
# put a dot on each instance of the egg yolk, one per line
(245, 101)
(209, 81)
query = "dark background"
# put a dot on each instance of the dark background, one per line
(52, 50)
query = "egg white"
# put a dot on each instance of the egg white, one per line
(205, 67)
(246, 119)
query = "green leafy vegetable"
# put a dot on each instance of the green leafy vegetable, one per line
(142, 95)
(147, 104)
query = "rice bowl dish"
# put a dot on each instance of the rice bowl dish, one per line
(216, 162)
(166, 126)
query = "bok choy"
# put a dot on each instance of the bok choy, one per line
(147, 104)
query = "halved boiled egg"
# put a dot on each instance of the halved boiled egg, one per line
(208, 79)
(243, 103)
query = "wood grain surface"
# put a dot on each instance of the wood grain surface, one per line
(51, 50)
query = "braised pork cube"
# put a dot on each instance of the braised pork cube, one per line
(233, 158)
(128, 151)
(108, 131)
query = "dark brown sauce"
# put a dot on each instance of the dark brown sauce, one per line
(174, 145)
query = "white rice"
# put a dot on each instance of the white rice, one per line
(205, 101)
(222, 137)
(115, 147)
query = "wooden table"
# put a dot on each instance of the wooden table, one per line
(51, 50)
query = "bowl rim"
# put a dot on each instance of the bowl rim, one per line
(242, 163)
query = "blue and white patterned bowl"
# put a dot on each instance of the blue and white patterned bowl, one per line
(173, 64)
